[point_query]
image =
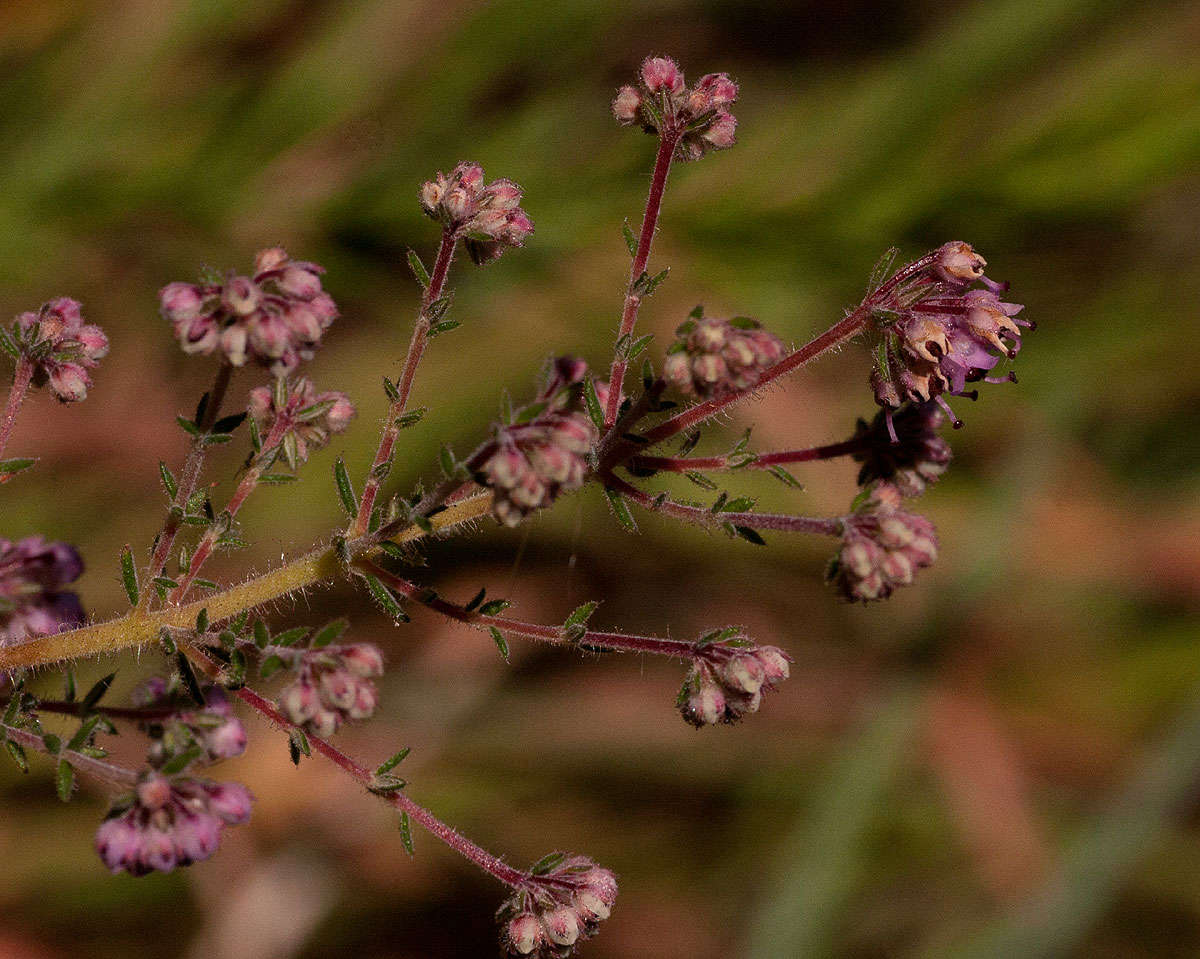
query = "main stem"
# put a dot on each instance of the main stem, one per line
(416, 349)
(658, 184)
(20, 386)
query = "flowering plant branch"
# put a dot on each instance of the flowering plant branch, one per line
(932, 326)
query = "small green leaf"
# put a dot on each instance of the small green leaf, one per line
(444, 327)
(290, 637)
(69, 692)
(595, 412)
(18, 755)
(262, 635)
(700, 480)
(129, 576)
(631, 241)
(476, 599)
(188, 676)
(298, 745)
(547, 863)
(64, 780)
(786, 478)
(621, 510)
(84, 734)
(418, 269)
(500, 641)
(750, 535)
(227, 424)
(269, 666)
(437, 309)
(14, 466)
(187, 426)
(180, 761)
(95, 694)
(329, 632)
(388, 765)
(581, 614)
(385, 598)
(494, 606)
(386, 785)
(202, 621)
(345, 491)
(406, 833)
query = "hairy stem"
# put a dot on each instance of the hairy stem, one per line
(684, 464)
(317, 567)
(416, 349)
(186, 484)
(629, 315)
(554, 635)
(20, 386)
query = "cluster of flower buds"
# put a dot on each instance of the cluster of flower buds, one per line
(937, 333)
(903, 448)
(332, 685)
(61, 347)
(662, 104)
(212, 727)
(713, 357)
(728, 678)
(301, 418)
(168, 822)
(32, 601)
(489, 218)
(883, 546)
(563, 904)
(275, 317)
(529, 464)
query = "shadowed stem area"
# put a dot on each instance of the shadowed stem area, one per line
(658, 184)
(320, 566)
(419, 814)
(20, 386)
(416, 349)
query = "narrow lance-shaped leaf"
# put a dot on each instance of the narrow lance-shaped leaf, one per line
(344, 489)
(129, 577)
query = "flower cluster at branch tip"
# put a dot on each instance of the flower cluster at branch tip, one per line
(32, 600)
(715, 357)
(904, 448)
(332, 686)
(561, 905)
(168, 822)
(308, 418)
(489, 218)
(937, 334)
(61, 347)
(275, 317)
(728, 678)
(530, 463)
(212, 727)
(883, 545)
(662, 105)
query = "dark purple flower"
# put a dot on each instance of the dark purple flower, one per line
(32, 576)
(903, 448)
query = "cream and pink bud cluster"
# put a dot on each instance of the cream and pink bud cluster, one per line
(61, 347)
(168, 822)
(213, 727)
(883, 546)
(302, 418)
(489, 218)
(714, 357)
(33, 601)
(558, 910)
(332, 686)
(727, 681)
(276, 317)
(662, 104)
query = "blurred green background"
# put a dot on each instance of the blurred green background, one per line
(1002, 761)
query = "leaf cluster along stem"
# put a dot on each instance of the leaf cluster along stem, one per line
(416, 349)
(658, 184)
(418, 813)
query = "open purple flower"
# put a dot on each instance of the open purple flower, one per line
(33, 602)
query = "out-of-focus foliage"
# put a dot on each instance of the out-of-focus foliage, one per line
(1001, 762)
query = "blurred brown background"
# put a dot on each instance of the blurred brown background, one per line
(1002, 761)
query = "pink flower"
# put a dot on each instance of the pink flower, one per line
(714, 357)
(697, 120)
(489, 219)
(332, 686)
(33, 602)
(728, 678)
(883, 546)
(61, 346)
(557, 907)
(306, 418)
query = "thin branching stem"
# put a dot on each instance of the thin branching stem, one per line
(20, 386)
(685, 464)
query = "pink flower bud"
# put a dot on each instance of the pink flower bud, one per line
(458, 204)
(299, 702)
(431, 196)
(524, 934)
(196, 837)
(662, 74)
(69, 382)
(118, 842)
(269, 334)
(502, 195)
(744, 673)
(591, 907)
(720, 133)
(230, 802)
(241, 296)
(338, 689)
(626, 104)
(774, 663)
(234, 341)
(712, 91)
(93, 341)
(180, 301)
(562, 926)
(270, 259)
(470, 175)
(300, 281)
(363, 659)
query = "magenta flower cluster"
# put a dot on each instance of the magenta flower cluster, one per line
(33, 601)
(332, 686)
(715, 357)
(301, 418)
(488, 218)
(727, 681)
(61, 347)
(883, 546)
(663, 105)
(276, 317)
(561, 906)
(169, 822)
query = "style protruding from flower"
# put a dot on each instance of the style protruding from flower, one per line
(903, 449)
(715, 357)
(212, 727)
(305, 418)
(883, 546)
(488, 218)
(168, 822)
(661, 104)
(937, 334)
(728, 678)
(561, 905)
(61, 347)
(530, 464)
(276, 317)
(33, 601)
(332, 686)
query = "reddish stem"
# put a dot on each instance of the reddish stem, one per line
(451, 837)
(658, 184)
(117, 775)
(618, 642)
(780, 522)
(416, 349)
(682, 464)
(20, 386)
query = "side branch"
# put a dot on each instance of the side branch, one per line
(684, 464)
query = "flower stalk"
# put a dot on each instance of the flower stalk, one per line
(20, 386)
